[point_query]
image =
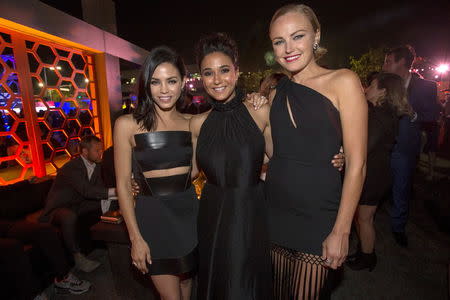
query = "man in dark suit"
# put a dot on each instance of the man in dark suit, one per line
(76, 192)
(422, 96)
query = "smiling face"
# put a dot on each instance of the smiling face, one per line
(165, 86)
(293, 37)
(219, 76)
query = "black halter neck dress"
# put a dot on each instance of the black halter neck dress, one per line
(233, 238)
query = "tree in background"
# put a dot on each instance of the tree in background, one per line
(371, 61)
(250, 81)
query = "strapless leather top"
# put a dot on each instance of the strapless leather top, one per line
(158, 151)
(163, 149)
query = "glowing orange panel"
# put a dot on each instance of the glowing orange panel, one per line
(51, 85)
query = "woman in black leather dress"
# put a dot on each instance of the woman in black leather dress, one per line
(386, 96)
(154, 144)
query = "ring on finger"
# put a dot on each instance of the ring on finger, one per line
(328, 261)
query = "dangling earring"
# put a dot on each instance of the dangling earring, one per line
(315, 46)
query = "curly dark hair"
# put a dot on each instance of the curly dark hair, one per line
(145, 113)
(217, 42)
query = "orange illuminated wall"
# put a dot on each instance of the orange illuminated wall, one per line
(48, 101)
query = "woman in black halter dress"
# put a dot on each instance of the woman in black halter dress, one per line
(154, 144)
(234, 260)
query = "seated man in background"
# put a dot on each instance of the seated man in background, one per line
(77, 191)
(16, 266)
(18, 233)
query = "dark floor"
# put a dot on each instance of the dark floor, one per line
(419, 272)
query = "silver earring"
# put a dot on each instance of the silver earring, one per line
(315, 46)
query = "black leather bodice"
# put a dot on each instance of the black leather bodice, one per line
(158, 151)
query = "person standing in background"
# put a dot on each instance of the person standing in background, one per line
(422, 96)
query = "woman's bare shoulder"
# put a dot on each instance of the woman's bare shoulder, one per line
(340, 81)
(126, 122)
(127, 119)
(196, 121)
(341, 76)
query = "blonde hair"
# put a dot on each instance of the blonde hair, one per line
(306, 11)
(395, 93)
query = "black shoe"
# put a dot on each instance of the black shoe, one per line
(363, 261)
(401, 239)
(355, 255)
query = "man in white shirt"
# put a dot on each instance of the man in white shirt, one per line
(78, 191)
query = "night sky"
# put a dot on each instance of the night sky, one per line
(348, 27)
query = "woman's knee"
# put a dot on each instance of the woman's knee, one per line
(186, 283)
(170, 295)
(365, 218)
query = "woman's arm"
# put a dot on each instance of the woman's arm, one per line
(195, 124)
(353, 113)
(267, 134)
(124, 127)
(261, 116)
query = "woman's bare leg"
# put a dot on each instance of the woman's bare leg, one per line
(168, 286)
(366, 230)
(186, 288)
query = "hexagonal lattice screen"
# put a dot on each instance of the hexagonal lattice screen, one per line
(62, 80)
(46, 54)
(72, 128)
(73, 146)
(64, 88)
(65, 69)
(15, 156)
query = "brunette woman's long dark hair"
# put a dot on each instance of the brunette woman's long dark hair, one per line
(145, 112)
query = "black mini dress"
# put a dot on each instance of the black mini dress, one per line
(166, 209)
